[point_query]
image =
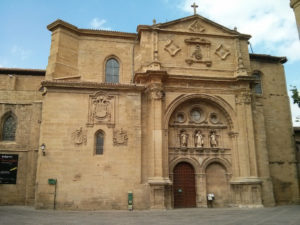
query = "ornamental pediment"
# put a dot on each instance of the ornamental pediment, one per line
(197, 24)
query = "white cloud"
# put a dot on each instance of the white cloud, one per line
(270, 23)
(96, 23)
(19, 52)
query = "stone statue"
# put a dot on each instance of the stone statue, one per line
(183, 139)
(199, 142)
(213, 139)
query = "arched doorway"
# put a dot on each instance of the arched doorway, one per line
(184, 186)
(216, 183)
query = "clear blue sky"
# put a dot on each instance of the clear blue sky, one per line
(25, 40)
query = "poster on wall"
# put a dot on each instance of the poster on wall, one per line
(8, 168)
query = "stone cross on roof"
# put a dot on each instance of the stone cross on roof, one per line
(195, 8)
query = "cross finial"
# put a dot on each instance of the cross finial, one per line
(195, 8)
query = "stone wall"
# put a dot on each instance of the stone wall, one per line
(273, 113)
(19, 95)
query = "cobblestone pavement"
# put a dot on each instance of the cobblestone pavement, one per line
(283, 215)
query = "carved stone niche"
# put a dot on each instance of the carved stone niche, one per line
(198, 51)
(101, 109)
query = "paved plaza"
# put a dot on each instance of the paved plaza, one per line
(283, 215)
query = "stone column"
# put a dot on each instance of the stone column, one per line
(295, 4)
(157, 179)
(246, 187)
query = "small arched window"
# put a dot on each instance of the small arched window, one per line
(9, 128)
(112, 71)
(257, 83)
(99, 142)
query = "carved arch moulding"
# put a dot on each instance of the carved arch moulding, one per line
(101, 109)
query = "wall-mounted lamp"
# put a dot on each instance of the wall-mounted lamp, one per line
(43, 147)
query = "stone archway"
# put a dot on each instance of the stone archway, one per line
(217, 184)
(198, 132)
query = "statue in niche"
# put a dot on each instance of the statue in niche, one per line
(183, 139)
(213, 139)
(199, 142)
(197, 53)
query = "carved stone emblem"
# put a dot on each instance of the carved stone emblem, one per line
(120, 137)
(222, 52)
(196, 26)
(198, 51)
(101, 109)
(79, 136)
(172, 48)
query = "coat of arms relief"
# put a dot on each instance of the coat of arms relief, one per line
(101, 109)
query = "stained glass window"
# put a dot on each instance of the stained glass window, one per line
(99, 143)
(9, 129)
(112, 71)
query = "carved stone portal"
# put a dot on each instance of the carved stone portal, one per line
(172, 48)
(198, 51)
(79, 136)
(101, 109)
(120, 137)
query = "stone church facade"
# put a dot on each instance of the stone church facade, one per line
(171, 113)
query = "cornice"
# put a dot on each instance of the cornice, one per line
(21, 71)
(89, 32)
(294, 3)
(91, 85)
(268, 58)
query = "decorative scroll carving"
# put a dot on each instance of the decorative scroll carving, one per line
(172, 48)
(222, 52)
(120, 137)
(101, 109)
(243, 98)
(196, 27)
(79, 136)
(156, 92)
(198, 51)
(241, 69)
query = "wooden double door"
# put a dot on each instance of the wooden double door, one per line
(184, 187)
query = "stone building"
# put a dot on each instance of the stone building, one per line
(295, 4)
(171, 113)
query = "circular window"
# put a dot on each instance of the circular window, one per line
(180, 117)
(196, 115)
(214, 118)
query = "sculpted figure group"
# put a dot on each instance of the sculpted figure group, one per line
(198, 139)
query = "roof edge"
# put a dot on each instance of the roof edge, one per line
(22, 71)
(60, 23)
(268, 58)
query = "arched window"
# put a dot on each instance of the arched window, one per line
(9, 128)
(99, 142)
(112, 71)
(257, 83)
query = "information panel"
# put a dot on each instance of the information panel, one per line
(8, 168)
